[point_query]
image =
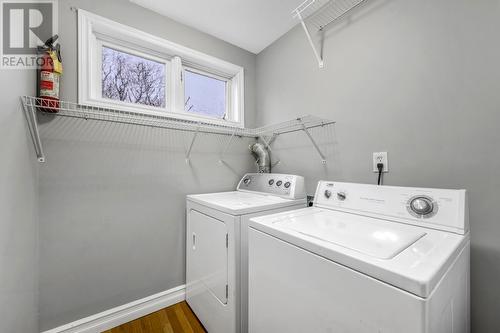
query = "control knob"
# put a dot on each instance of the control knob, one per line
(421, 206)
(341, 196)
(271, 182)
(328, 194)
(279, 182)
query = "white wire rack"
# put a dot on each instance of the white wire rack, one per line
(321, 13)
(293, 125)
(33, 105)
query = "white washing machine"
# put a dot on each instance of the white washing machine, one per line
(365, 258)
(216, 245)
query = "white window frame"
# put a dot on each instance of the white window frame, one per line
(95, 31)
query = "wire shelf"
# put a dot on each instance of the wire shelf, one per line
(294, 125)
(33, 105)
(321, 13)
(70, 109)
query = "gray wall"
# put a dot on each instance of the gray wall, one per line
(415, 78)
(18, 208)
(418, 79)
(112, 197)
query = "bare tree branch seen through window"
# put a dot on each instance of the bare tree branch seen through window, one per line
(133, 79)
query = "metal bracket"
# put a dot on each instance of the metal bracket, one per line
(188, 153)
(30, 114)
(267, 144)
(221, 159)
(319, 58)
(304, 128)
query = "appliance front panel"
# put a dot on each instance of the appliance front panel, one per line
(211, 268)
(208, 253)
(294, 291)
(244, 259)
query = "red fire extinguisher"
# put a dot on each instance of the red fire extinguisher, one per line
(49, 75)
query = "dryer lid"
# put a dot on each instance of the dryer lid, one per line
(366, 235)
(240, 203)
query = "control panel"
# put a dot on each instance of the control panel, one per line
(434, 208)
(283, 185)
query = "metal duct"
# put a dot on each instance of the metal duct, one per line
(262, 157)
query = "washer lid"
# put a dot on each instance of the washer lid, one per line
(370, 236)
(408, 257)
(239, 203)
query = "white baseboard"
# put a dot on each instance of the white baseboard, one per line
(124, 313)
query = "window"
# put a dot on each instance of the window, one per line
(121, 67)
(205, 95)
(132, 79)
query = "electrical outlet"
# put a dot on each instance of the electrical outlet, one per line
(380, 157)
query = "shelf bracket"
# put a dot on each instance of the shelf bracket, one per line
(30, 114)
(319, 58)
(221, 160)
(267, 144)
(188, 153)
(304, 128)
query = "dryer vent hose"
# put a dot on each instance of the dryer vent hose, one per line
(262, 157)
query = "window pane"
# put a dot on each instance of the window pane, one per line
(204, 95)
(133, 79)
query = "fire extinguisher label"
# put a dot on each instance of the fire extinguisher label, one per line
(49, 84)
(46, 85)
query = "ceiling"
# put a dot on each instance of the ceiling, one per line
(249, 24)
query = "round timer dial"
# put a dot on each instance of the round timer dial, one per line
(422, 206)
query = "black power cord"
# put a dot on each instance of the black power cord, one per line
(380, 167)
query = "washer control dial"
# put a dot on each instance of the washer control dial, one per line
(422, 206)
(341, 196)
(247, 181)
(328, 194)
(271, 181)
(279, 182)
(287, 184)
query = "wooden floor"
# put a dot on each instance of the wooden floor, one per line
(177, 318)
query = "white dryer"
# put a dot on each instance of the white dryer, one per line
(216, 245)
(365, 258)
